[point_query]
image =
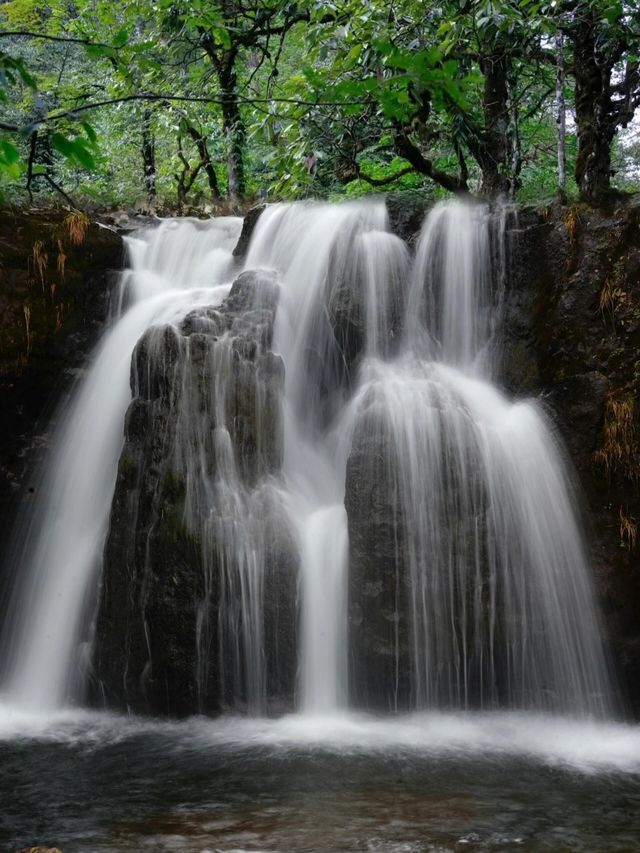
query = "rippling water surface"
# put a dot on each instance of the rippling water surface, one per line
(438, 782)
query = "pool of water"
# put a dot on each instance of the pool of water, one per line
(97, 783)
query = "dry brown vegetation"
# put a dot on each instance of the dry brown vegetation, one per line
(62, 259)
(628, 530)
(77, 225)
(40, 260)
(619, 451)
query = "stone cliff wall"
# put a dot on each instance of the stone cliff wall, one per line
(57, 271)
(572, 336)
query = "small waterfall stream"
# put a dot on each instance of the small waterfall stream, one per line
(58, 552)
(493, 599)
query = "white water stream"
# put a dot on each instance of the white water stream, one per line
(58, 552)
(501, 611)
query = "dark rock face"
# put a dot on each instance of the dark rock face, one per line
(56, 277)
(406, 217)
(248, 227)
(372, 260)
(193, 510)
(379, 672)
(394, 555)
(572, 336)
(577, 404)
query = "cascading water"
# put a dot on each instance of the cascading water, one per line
(483, 596)
(58, 553)
(311, 246)
(493, 589)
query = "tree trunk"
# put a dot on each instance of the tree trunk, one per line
(186, 178)
(596, 128)
(234, 132)
(493, 150)
(515, 140)
(562, 115)
(205, 159)
(148, 156)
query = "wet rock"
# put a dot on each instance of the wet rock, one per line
(194, 507)
(39, 850)
(406, 215)
(534, 250)
(379, 262)
(577, 404)
(55, 293)
(391, 555)
(378, 593)
(348, 318)
(248, 227)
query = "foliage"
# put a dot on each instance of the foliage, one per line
(188, 100)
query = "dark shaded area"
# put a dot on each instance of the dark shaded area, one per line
(56, 279)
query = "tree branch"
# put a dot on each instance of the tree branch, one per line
(186, 99)
(382, 182)
(412, 153)
(63, 39)
(58, 189)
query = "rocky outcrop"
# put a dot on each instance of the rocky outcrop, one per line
(572, 336)
(57, 272)
(197, 609)
(248, 227)
(378, 591)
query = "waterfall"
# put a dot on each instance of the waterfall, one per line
(58, 551)
(498, 603)
(394, 432)
(311, 247)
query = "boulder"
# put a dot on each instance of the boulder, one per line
(197, 608)
(39, 850)
(378, 593)
(248, 227)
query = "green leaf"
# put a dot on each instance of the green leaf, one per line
(8, 152)
(74, 150)
(221, 35)
(91, 134)
(95, 51)
(120, 38)
(9, 159)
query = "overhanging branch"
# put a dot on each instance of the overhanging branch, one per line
(64, 39)
(185, 99)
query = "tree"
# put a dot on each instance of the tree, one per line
(443, 84)
(463, 96)
(226, 32)
(605, 40)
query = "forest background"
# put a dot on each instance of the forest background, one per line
(210, 105)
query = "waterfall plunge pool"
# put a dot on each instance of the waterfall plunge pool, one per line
(99, 783)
